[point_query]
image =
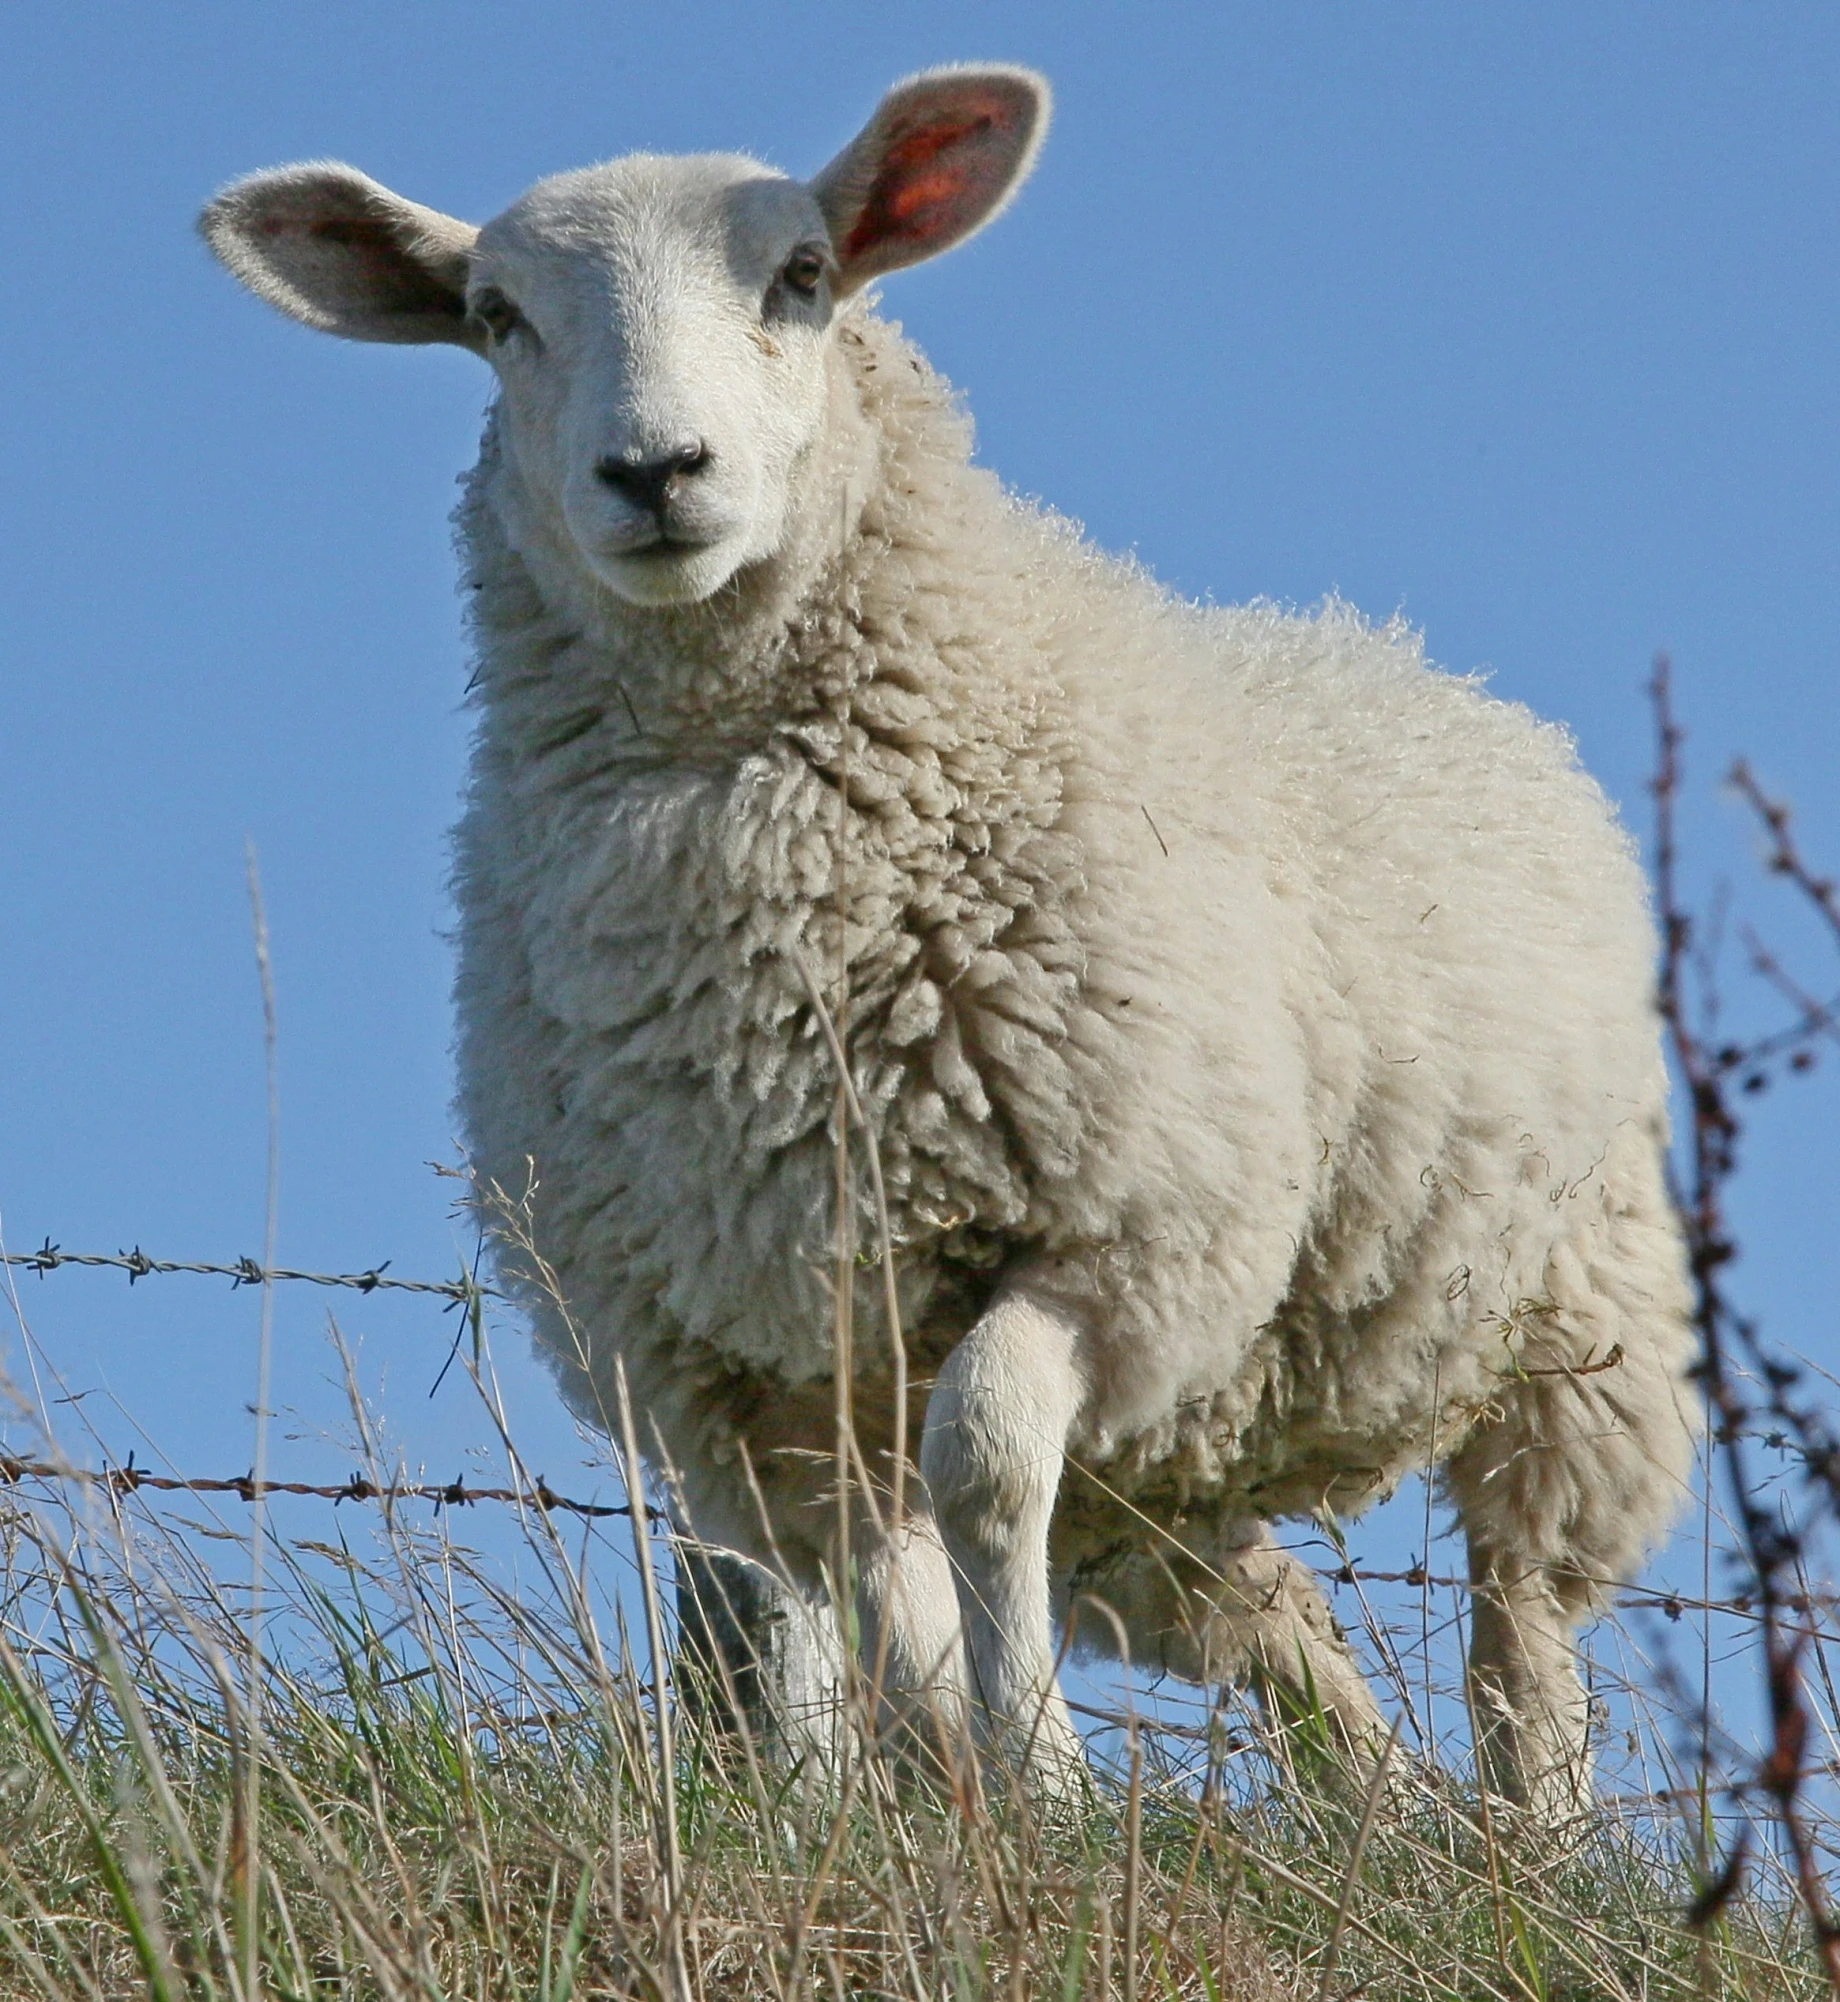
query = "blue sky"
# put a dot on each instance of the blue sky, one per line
(1522, 321)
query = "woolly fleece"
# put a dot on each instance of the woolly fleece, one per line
(1286, 998)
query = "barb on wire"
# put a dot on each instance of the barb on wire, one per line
(130, 1479)
(137, 1264)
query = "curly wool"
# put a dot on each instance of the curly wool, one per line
(1289, 995)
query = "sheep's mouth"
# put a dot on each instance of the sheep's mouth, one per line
(667, 570)
(661, 547)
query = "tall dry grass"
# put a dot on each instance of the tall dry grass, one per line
(335, 1755)
(484, 1777)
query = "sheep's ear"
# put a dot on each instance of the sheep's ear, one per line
(333, 248)
(943, 153)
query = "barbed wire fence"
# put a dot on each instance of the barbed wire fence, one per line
(470, 1293)
(466, 1292)
(129, 1479)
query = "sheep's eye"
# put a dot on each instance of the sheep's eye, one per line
(496, 314)
(804, 270)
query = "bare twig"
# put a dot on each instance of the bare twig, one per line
(1772, 1544)
(1784, 858)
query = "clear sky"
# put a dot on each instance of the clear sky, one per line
(1522, 321)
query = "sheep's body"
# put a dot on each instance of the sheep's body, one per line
(1289, 997)
(1254, 1023)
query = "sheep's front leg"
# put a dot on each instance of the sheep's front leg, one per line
(996, 1428)
(756, 1655)
(907, 1610)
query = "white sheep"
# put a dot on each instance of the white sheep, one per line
(1255, 1023)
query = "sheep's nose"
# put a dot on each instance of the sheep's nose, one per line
(649, 483)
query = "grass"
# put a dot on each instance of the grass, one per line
(390, 1765)
(475, 1775)
(461, 1795)
(394, 1767)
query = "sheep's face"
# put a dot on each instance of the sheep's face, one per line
(659, 330)
(659, 327)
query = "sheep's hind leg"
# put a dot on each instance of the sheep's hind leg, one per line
(1267, 1623)
(1532, 1717)
(1560, 1492)
(996, 1429)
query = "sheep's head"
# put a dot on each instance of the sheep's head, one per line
(658, 326)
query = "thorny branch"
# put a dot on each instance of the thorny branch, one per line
(1731, 1348)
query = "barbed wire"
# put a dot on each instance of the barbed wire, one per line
(130, 1479)
(1632, 1598)
(137, 1264)
(467, 1291)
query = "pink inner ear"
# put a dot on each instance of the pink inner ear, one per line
(360, 232)
(930, 177)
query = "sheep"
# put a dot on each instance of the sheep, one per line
(1253, 1022)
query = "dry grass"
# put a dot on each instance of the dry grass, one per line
(443, 1775)
(485, 1777)
(461, 1795)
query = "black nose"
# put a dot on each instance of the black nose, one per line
(649, 483)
